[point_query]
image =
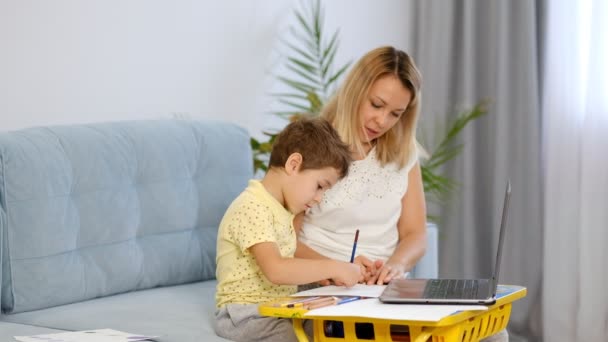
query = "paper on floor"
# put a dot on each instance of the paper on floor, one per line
(99, 335)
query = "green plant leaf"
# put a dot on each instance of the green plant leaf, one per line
(315, 103)
(443, 155)
(295, 105)
(302, 74)
(254, 143)
(309, 61)
(290, 95)
(285, 115)
(337, 75)
(300, 52)
(331, 48)
(438, 188)
(303, 87)
(304, 25)
(308, 42)
(461, 121)
(327, 58)
(303, 65)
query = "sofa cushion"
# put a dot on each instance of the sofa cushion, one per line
(94, 210)
(183, 313)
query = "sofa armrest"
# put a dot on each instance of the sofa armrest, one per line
(428, 266)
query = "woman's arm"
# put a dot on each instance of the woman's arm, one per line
(412, 232)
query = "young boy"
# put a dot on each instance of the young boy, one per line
(256, 239)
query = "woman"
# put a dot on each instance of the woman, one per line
(375, 111)
(382, 195)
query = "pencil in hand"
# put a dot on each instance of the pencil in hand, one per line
(352, 255)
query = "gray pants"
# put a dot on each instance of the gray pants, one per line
(242, 322)
(501, 336)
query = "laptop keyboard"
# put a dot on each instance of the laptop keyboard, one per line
(451, 288)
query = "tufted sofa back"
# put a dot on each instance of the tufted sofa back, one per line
(93, 210)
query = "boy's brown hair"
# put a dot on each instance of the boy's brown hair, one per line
(318, 143)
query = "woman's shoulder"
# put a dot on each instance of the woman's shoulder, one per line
(394, 166)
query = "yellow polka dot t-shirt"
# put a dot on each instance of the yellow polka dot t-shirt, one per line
(255, 216)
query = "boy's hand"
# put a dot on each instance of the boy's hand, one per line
(369, 267)
(324, 282)
(347, 274)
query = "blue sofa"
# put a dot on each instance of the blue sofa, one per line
(114, 225)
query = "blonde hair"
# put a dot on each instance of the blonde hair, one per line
(343, 109)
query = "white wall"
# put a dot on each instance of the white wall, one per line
(74, 61)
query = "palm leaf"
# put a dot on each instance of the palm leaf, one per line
(304, 24)
(301, 52)
(328, 55)
(337, 75)
(439, 188)
(309, 61)
(295, 105)
(303, 65)
(303, 74)
(290, 95)
(301, 86)
(443, 155)
(284, 114)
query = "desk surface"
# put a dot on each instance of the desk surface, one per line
(506, 294)
(474, 325)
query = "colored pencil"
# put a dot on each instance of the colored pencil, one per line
(352, 256)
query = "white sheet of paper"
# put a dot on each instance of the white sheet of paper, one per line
(371, 291)
(99, 335)
(373, 308)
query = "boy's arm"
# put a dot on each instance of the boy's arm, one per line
(303, 251)
(296, 271)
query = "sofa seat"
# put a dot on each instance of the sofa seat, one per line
(9, 330)
(176, 313)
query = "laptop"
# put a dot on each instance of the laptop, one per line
(450, 291)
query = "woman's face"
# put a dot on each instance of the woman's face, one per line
(386, 102)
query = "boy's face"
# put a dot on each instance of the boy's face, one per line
(306, 188)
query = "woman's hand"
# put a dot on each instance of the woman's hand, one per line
(386, 272)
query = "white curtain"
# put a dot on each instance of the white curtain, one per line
(575, 140)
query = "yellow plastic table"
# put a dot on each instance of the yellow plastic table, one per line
(462, 326)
